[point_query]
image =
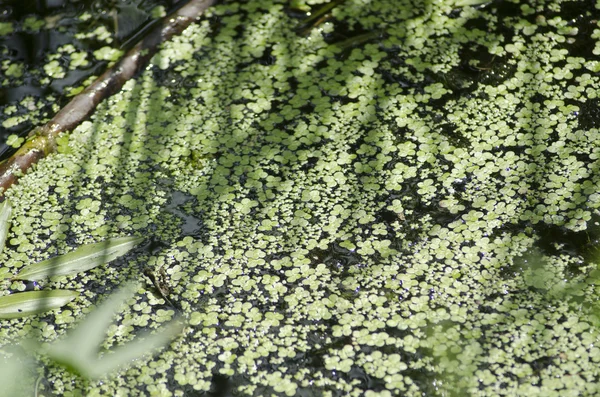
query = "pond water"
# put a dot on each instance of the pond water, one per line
(400, 200)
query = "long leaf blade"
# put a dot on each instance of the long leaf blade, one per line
(24, 304)
(78, 352)
(142, 345)
(5, 213)
(16, 370)
(81, 259)
(82, 342)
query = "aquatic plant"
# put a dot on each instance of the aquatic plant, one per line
(341, 219)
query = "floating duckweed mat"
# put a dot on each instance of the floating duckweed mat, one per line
(411, 213)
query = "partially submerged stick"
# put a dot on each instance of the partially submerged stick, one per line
(41, 141)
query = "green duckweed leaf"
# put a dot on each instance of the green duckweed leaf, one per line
(24, 304)
(81, 259)
(5, 213)
(79, 351)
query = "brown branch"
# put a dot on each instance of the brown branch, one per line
(41, 141)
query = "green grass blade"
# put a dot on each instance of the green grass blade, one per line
(464, 3)
(143, 344)
(5, 213)
(79, 351)
(81, 259)
(33, 302)
(16, 372)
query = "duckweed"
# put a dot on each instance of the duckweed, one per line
(370, 219)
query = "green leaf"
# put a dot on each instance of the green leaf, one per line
(24, 304)
(5, 213)
(463, 3)
(16, 372)
(81, 259)
(143, 344)
(79, 351)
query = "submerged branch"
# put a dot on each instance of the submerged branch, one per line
(41, 141)
(318, 17)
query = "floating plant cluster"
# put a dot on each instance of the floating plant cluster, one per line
(397, 198)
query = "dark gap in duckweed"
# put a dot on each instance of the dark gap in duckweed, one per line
(306, 109)
(337, 258)
(154, 246)
(241, 28)
(31, 47)
(487, 309)
(187, 390)
(458, 81)
(364, 379)
(192, 224)
(584, 16)
(388, 69)
(342, 31)
(448, 130)
(539, 364)
(240, 101)
(10, 94)
(439, 215)
(579, 11)
(478, 53)
(215, 24)
(358, 142)
(309, 164)
(502, 9)
(168, 78)
(590, 244)
(267, 58)
(501, 69)
(509, 271)
(293, 12)
(221, 386)
(389, 77)
(557, 240)
(589, 114)
(315, 357)
(387, 216)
